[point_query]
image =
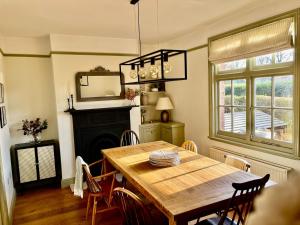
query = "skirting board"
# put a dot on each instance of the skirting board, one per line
(67, 182)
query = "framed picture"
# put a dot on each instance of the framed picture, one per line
(1, 93)
(3, 121)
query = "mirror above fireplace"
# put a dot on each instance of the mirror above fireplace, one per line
(99, 84)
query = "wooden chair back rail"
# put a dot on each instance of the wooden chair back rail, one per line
(129, 137)
(242, 200)
(190, 145)
(132, 208)
(237, 162)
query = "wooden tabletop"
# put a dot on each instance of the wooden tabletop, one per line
(197, 186)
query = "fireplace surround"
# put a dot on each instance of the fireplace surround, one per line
(96, 129)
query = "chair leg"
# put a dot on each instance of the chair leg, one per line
(88, 207)
(94, 211)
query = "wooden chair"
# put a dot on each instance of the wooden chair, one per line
(134, 211)
(99, 189)
(190, 145)
(237, 162)
(129, 137)
(240, 204)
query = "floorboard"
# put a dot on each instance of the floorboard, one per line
(56, 207)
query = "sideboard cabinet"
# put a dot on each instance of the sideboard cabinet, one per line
(36, 164)
(172, 132)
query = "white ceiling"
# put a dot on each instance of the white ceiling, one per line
(111, 18)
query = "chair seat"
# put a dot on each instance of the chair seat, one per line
(215, 221)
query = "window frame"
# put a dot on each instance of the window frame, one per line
(250, 73)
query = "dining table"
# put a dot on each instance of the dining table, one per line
(198, 186)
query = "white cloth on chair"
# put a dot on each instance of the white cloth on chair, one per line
(78, 187)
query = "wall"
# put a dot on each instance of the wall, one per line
(30, 88)
(191, 97)
(64, 70)
(5, 152)
(72, 54)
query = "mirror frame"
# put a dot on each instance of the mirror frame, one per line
(98, 71)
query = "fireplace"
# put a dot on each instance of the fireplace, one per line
(96, 129)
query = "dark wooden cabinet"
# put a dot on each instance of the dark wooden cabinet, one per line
(36, 164)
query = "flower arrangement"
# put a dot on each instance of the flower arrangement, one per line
(34, 127)
(131, 93)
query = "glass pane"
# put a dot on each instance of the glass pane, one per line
(239, 120)
(239, 92)
(263, 91)
(284, 56)
(283, 125)
(233, 65)
(283, 91)
(225, 119)
(225, 92)
(263, 60)
(262, 120)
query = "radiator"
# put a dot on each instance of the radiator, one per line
(278, 173)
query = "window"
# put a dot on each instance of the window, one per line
(254, 100)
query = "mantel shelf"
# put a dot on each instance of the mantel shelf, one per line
(76, 111)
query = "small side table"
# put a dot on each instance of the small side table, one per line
(36, 164)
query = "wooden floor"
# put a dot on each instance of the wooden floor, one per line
(56, 207)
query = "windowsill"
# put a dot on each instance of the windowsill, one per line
(254, 147)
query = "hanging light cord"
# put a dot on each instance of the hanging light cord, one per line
(139, 30)
(157, 27)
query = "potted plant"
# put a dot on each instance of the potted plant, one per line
(34, 128)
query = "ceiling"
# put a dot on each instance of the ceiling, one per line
(112, 18)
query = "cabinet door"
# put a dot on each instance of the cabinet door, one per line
(166, 134)
(150, 133)
(46, 161)
(27, 165)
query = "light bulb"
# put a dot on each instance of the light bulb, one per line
(142, 71)
(167, 67)
(133, 73)
(153, 69)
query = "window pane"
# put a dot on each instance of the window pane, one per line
(239, 92)
(263, 91)
(283, 91)
(263, 60)
(283, 125)
(284, 56)
(233, 65)
(239, 120)
(225, 92)
(225, 119)
(262, 120)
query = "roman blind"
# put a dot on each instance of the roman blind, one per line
(268, 38)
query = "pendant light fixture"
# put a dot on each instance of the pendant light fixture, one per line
(155, 66)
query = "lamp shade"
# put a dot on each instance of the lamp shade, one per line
(164, 103)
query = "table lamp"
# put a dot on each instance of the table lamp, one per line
(164, 104)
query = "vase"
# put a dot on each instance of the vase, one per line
(36, 138)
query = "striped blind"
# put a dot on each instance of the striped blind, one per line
(261, 40)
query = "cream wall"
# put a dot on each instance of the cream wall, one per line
(5, 151)
(30, 88)
(64, 69)
(191, 97)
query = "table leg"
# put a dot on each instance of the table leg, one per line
(172, 221)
